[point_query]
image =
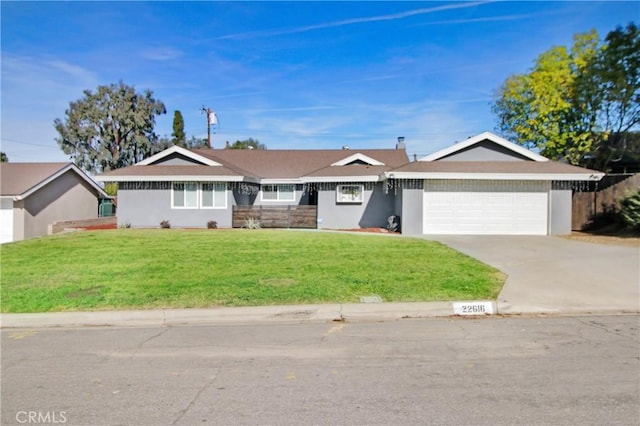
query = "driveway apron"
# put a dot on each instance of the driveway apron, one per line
(555, 275)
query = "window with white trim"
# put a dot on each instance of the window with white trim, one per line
(349, 193)
(278, 192)
(184, 195)
(214, 195)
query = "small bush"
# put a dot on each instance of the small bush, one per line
(111, 188)
(630, 210)
(165, 224)
(212, 224)
(252, 223)
(124, 225)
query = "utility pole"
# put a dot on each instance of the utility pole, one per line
(212, 119)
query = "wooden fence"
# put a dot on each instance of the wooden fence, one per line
(604, 199)
(277, 216)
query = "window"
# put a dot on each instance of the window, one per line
(191, 195)
(214, 196)
(349, 194)
(278, 193)
(185, 195)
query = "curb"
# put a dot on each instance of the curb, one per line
(240, 315)
(289, 314)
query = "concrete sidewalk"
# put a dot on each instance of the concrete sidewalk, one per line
(261, 314)
(240, 315)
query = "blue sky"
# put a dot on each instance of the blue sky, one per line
(291, 74)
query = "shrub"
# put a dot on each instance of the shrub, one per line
(212, 224)
(165, 224)
(630, 210)
(111, 188)
(251, 223)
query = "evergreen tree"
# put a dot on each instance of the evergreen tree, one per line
(110, 128)
(178, 136)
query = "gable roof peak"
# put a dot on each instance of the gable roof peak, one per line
(358, 157)
(178, 150)
(473, 140)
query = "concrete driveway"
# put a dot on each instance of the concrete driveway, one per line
(552, 274)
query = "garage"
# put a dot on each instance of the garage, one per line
(6, 220)
(489, 207)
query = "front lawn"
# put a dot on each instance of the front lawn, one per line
(172, 268)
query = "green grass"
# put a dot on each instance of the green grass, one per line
(144, 269)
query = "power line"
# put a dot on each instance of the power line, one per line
(28, 143)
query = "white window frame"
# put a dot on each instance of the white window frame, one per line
(202, 190)
(342, 198)
(278, 193)
(185, 207)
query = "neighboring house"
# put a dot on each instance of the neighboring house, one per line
(483, 185)
(34, 195)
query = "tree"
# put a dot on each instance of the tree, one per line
(3, 158)
(195, 143)
(536, 109)
(616, 73)
(576, 105)
(248, 144)
(110, 128)
(178, 136)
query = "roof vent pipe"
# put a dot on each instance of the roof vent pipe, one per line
(400, 144)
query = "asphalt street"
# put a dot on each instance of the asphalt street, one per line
(444, 371)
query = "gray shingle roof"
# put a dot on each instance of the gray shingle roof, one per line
(535, 167)
(174, 170)
(18, 178)
(289, 164)
(270, 164)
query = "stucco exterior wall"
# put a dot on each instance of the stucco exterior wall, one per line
(411, 219)
(146, 208)
(66, 198)
(374, 211)
(560, 206)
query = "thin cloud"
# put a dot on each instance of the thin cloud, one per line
(489, 19)
(161, 54)
(390, 17)
(75, 71)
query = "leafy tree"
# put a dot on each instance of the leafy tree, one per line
(194, 142)
(110, 128)
(3, 158)
(536, 109)
(248, 144)
(577, 105)
(616, 78)
(164, 142)
(178, 135)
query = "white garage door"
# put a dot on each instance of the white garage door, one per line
(6, 220)
(485, 207)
